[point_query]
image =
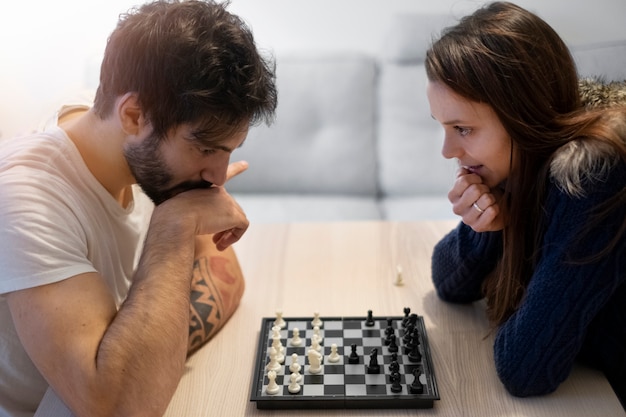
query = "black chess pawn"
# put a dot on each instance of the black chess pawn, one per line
(389, 334)
(395, 378)
(416, 386)
(393, 346)
(394, 366)
(373, 367)
(414, 354)
(394, 357)
(354, 357)
(405, 319)
(408, 331)
(369, 321)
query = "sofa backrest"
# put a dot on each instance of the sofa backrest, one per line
(410, 141)
(323, 139)
(606, 60)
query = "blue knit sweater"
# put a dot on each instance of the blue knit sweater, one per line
(569, 312)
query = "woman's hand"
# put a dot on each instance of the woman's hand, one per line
(477, 204)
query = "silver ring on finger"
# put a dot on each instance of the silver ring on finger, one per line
(481, 211)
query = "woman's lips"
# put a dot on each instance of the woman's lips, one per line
(472, 168)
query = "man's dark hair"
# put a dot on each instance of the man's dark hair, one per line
(188, 62)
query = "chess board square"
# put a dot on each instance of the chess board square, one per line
(330, 340)
(333, 333)
(376, 389)
(354, 379)
(372, 341)
(333, 369)
(377, 325)
(310, 390)
(349, 341)
(313, 379)
(334, 390)
(286, 391)
(351, 324)
(354, 369)
(300, 325)
(375, 379)
(352, 333)
(356, 390)
(334, 379)
(333, 325)
(371, 333)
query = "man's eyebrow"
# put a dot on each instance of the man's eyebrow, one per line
(206, 139)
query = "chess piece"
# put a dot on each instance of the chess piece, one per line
(369, 321)
(416, 386)
(293, 387)
(395, 378)
(274, 365)
(405, 319)
(318, 333)
(296, 340)
(315, 361)
(280, 349)
(295, 367)
(354, 357)
(272, 386)
(315, 343)
(280, 322)
(373, 367)
(399, 279)
(414, 354)
(316, 320)
(334, 356)
(393, 346)
(394, 366)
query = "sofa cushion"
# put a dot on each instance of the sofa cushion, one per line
(293, 207)
(607, 60)
(323, 138)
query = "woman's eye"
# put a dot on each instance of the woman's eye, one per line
(463, 131)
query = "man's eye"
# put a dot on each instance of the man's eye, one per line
(207, 151)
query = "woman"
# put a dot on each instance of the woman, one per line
(541, 189)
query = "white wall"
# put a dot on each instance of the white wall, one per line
(48, 49)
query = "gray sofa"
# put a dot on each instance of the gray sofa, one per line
(353, 138)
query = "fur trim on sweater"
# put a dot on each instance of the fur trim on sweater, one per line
(580, 159)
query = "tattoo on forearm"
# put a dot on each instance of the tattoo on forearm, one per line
(205, 307)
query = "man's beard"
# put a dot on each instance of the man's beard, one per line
(151, 173)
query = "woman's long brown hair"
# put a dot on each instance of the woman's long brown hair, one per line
(512, 60)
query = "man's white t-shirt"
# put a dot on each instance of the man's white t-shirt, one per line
(56, 221)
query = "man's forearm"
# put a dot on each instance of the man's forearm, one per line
(216, 288)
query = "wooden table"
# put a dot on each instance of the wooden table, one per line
(345, 269)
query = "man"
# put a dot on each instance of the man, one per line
(96, 281)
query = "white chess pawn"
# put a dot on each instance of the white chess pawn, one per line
(316, 320)
(399, 280)
(293, 387)
(315, 361)
(280, 349)
(273, 365)
(280, 322)
(316, 332)
(295, 366)
(296, 340)
(272, 387)
(315, 343)
(334, 356)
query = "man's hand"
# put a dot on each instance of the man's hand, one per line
(476, 203)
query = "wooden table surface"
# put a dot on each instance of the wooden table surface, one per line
(345, 269)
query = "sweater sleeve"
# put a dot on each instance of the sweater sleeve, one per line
(535, 349)
(462, 260)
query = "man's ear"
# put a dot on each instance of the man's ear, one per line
(131, 114)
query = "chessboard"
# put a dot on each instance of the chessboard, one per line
(362, 362)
